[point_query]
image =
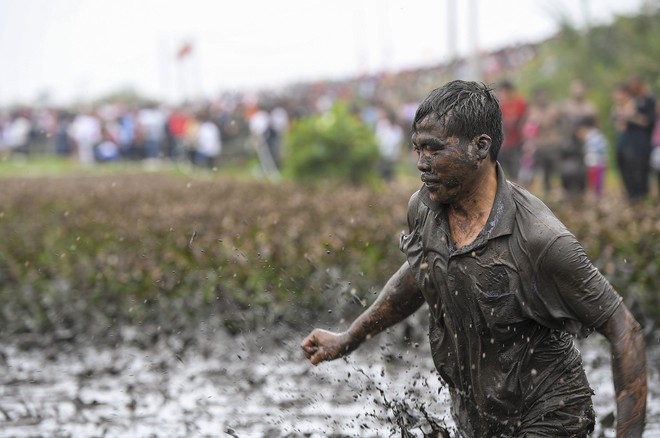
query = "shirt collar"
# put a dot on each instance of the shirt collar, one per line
(503, 214)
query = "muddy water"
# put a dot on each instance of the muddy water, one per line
(252, 385)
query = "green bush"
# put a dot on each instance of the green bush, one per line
(335, 145)
(140, 249)
(84, 254)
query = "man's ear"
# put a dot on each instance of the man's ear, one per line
(483, 143)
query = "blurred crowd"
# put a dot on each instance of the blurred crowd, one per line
(114, 132)
(231, 126)
(558, 146)
(563, 143)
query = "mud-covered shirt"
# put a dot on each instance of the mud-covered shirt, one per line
(504, 309)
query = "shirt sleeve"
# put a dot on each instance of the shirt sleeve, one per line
(572, 289)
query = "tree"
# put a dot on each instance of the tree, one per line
(335, 145)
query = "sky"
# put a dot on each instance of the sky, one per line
(73, 50)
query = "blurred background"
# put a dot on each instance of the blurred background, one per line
(117, 81)
(187, 188)
(72, 52)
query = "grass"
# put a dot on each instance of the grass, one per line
(49, 166)
(11, 167)
(135, 238)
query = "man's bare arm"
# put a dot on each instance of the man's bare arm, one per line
(399, 299)
(628, 371)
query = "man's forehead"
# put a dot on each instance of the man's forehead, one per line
(435, 119)
(430, 132)
(432, 122)
(430, 129)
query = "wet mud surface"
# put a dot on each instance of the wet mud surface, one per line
(251, 385)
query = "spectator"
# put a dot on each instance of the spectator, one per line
(638, 128)
(259, 124)
(127, 133)
(4, 143)
(63, 147)
(655, 152)
(108, 150)
(209, 144)
(594, 145)
(278, 125)
(175, 134)
(191, 137)
(527, 160)
(514, 111)
(152, 122)
(573, 171)
(86, 133)
(545, 117)
(18, 133)
(389, 136)
(633, 114)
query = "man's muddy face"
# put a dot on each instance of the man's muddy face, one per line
(448, 163)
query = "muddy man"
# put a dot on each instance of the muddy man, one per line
(507, 285)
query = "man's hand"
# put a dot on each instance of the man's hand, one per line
(322, 345)
(399, 299)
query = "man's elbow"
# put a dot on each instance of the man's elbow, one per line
(622, 328)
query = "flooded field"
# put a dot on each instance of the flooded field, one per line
(251, 385)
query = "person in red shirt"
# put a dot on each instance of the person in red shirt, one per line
(514, 111)
(176, 131)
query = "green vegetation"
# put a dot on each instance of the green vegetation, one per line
(90, 253)
(602, 57)
(335, 144)
(42, 166)
(156, 248)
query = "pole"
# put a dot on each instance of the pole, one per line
(474, 64)
(451, 35)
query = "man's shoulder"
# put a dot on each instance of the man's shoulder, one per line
(420, 207)
(421, 200)
(414, 200)
(416, 204)
(536, 221)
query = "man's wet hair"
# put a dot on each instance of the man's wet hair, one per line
(465, 109)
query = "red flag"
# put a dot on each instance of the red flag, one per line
(184, 50)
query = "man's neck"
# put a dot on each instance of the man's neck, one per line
(468, 216)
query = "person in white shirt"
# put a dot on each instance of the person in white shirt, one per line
(209, 143)
(390, 137)
(86, 133)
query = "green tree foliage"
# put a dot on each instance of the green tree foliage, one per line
(335, 145)
(601, 56)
